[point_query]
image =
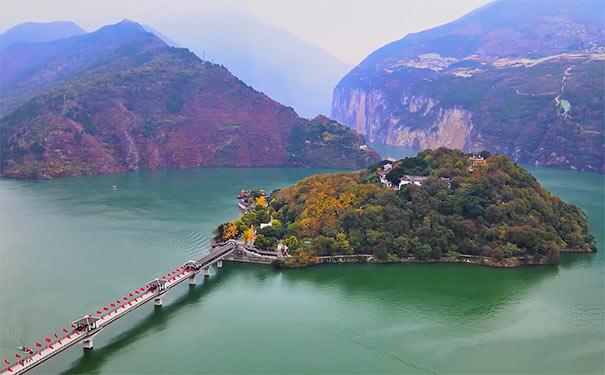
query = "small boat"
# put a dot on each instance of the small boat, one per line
(114, 187)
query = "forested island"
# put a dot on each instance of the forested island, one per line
(439, 206)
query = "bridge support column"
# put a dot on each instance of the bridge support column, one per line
(219, 264)
(87, 344)
(206, 271)
(192, 279)
(158, 301)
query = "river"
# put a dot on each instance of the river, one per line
(70, 246)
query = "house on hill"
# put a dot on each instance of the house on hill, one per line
(418, 180)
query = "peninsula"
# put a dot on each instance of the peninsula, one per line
(439, 206)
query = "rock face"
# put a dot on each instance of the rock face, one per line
(120, 99)
(516, 77)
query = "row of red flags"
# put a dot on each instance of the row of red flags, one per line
(118, 302)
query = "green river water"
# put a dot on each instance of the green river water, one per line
(72, 245)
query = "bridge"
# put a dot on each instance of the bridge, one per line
(85, 329)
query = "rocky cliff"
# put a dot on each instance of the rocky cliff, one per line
(121, 99)
(521, 78)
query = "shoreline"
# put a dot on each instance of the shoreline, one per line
(513, 262)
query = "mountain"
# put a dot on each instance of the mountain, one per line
(121, 99)
(291, 71)
(522, 78)
(166, 39)
(32, 32)
(32, 68)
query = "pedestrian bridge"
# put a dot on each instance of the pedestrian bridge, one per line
(85, 329)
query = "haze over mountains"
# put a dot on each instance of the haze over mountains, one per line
(31, 32)
(518, 77)
(293, 72)
(120, 99)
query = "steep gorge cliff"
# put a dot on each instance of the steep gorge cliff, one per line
(524, 81)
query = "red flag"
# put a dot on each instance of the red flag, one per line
(17, 356)
(136, 291)
(125, 298)
(64, 330)
(60, 342)
(54, 334)
(163, 277)
(47, 339)
(21, 363)
(118, 301)
(183, 267)
(112, 305)
(98, 312)
(50, 346)
(7, 362)
(73, 326)
(129, 294)
(38, 344)
(130, 303)
(9, 369)
(69, 337)
(28, 350)
(105, 308)
(102, 318)
(142, 289)
(77, 332)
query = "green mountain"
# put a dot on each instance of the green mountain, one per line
(522, 78)
(120, 99)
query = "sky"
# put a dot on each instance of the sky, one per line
(347, 29)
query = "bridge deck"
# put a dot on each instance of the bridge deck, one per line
(139, 297)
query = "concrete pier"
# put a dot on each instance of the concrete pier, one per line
(87, 344)
(192, 279)
(206, 271)
(158, 301)
(219, 264)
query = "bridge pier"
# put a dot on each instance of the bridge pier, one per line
(206, 271)
(158, 301)
(192, 279)
(219, 264)
(87, 344)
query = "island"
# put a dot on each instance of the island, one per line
(439, 206)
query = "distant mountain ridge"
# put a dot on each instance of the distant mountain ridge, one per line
(120, 99)
(34, 32)
(517, 77)
(294, 72)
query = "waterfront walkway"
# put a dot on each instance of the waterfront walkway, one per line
(84, 330)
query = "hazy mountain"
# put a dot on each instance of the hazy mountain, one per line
(293, 72)
(123, 100)
(171, 42)
(518, 77)
(27, 69)
(31, 32)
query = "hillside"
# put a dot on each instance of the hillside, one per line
(121, 99)
(459, 208)
(33, 32)
(517, 77)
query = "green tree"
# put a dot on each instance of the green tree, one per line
(291, 242)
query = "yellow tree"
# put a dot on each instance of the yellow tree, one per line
(261, 201)
(248, 234)
(230, 230)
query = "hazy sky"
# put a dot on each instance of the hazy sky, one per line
(348, 29)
